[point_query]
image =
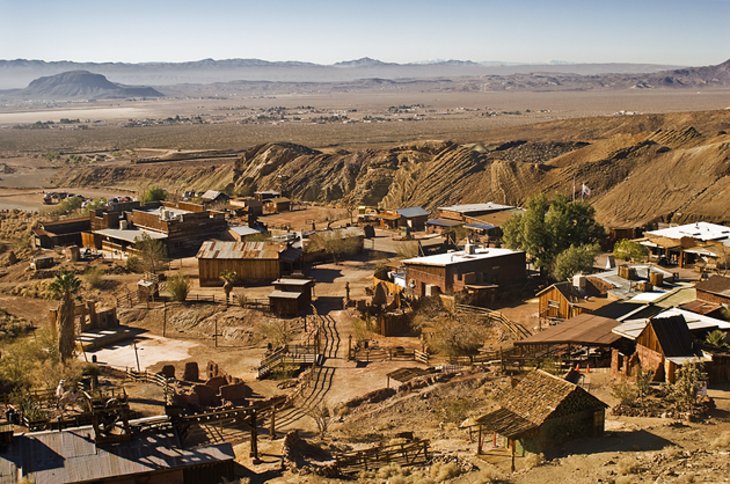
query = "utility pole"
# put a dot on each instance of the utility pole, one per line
(136, 354)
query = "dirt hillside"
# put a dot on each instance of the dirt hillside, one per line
(640, 169)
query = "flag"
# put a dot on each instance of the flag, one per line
(585, 191)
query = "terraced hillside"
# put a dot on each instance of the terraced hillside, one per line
(640, 169)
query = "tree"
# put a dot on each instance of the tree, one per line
(66, 287)
(228, 278)
(629, 250)
(548, 227)
(574, 260)
(152, 194)
(322, 417)
(152, 253)
(335, 243)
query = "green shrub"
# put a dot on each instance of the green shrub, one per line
(178, 287)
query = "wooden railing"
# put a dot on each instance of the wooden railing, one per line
(518, 330)
(388, 354)
(405, 454)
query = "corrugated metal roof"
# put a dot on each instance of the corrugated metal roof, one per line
(216, 249)
(583, 329)
(410, 212)
(476, 207)
(443, 222)
(285, 295)
(130, 235)
(72, 456)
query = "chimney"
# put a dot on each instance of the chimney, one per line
(579, 281)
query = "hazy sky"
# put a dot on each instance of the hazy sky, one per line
(689, 32)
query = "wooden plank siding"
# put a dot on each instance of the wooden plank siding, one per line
(261, 270)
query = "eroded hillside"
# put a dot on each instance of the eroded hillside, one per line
(640, 169)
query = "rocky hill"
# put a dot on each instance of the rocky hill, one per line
(640, 169)
(80, 85)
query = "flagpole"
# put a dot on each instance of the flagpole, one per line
(573, 188)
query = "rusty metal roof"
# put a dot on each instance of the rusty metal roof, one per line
(72, 456)
(216, 249)
(585, 328)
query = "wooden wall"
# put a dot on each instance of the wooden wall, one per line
(259, 270)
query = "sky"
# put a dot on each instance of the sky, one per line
(689, 32)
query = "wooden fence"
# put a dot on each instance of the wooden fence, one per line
(388, 354)
(406, 454)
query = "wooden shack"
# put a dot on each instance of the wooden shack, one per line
(662, 347)
(251, 261)
(277, 205)
(716, 289)
(565, 299)
(539, 413)
(60, 233)
(291, 297)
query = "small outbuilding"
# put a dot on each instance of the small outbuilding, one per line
(291, 297)
(539, 413)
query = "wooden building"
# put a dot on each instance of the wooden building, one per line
(251, 261)
(60, 233)
(458, 271)
(685, 245)
(540, 413)
(248, 205)
(412, 217)
(664, 345)
(185, 231)
(716, 289)
(277, 205)
(564, 300)
(72, 455)
(291, 297)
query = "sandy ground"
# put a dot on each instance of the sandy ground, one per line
(151, 350)
(32, 200)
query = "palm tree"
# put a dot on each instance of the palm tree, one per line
(66, 287)
(228, 279)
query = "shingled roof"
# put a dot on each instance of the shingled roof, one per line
(538, 397)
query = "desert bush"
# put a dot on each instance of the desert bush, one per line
(277, 332)
(152, 194)
(628, 466)
(178, 287)
(625, 392)
(490, 474)
(534, 460)
(443, 471)
(95, 277)
(134, 264)
(722, 441)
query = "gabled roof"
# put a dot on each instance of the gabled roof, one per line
(411, 212)
(718, 285)
(673, 335)
(535, 399)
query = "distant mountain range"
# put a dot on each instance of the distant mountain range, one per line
(15, 74)
(253, 76)
(79, 85)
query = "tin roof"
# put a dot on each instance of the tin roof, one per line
(468, 208)
(410, 212)
(72, 456)
(130, 235)
(216, 249)
(585, 328)
(699, 231)
(459, 257)
(718, 285)
(444, 222)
